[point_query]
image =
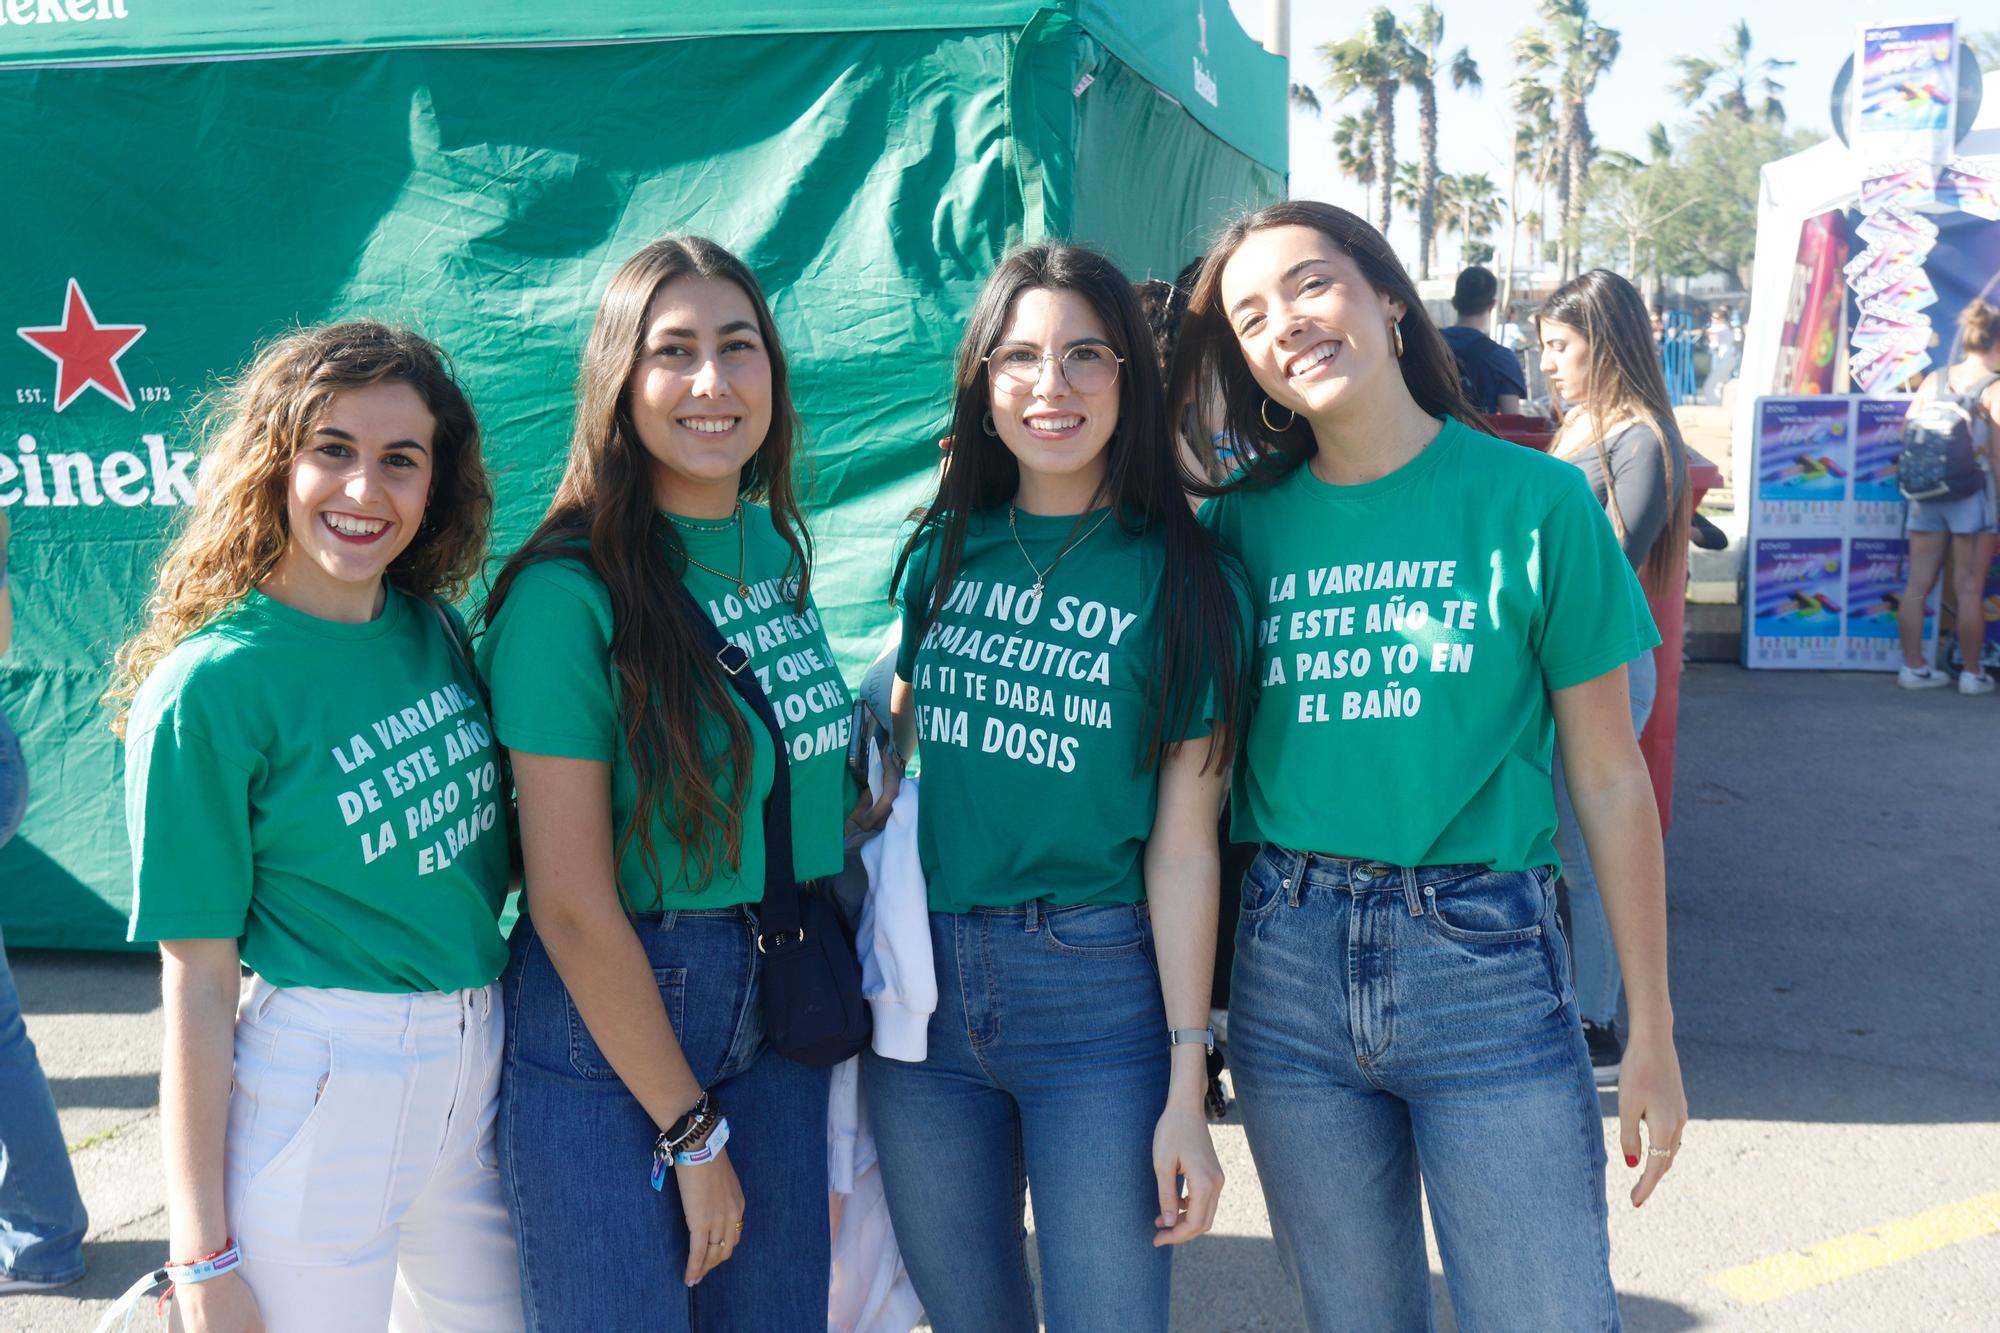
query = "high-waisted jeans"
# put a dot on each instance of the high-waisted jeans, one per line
(1393, 1025)
(1045, 1069)
(600, 1249)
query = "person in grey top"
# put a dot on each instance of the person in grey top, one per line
(1599, 357)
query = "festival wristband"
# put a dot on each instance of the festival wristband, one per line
(707, 1151)
(204, 1268)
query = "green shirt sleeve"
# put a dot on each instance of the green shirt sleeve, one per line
(547, 661)
(913, 601)
(187, 809)
(1594, 613)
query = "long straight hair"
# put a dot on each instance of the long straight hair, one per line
(1211, 375)
(255, 426)
(605, 516)
(1197, 624)
(1626, 387)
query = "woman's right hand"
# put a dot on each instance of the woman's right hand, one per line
(712, 1202)
(220, 1305)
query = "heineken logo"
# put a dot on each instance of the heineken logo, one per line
(59, 11)
(85, 352)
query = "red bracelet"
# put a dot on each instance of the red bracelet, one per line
(228, 1244)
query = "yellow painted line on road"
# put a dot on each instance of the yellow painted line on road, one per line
(1784, 1275)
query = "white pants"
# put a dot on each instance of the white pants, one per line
(360, 1177)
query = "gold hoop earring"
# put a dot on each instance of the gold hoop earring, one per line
(1397, 329)
(986, 422)
(1264, 414)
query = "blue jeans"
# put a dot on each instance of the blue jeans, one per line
(1045, 1068)
(599, 1248)
(1598, 979)
(1390, 1023)
(42, 1221)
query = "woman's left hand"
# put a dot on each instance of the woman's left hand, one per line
(1182, 1151)
(1649, 1089)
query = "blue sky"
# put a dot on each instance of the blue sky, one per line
(1473, 128)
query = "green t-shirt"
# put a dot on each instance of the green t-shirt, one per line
(326, 793)
(1409, 631)
(1031, 714)
(547, 656)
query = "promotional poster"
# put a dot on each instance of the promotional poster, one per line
(1797, 597)
(1878, 441)
(1805, 453)
(1876, 574)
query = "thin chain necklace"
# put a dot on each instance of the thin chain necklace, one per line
(742, 566)
(1042, 575)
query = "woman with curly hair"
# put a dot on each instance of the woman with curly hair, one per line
(313, 792)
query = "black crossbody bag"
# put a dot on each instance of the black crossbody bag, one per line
(813, 1010)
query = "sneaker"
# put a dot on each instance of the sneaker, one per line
(1607, 1053)
(1971, 684)
(1922, 678)
(17, 1286)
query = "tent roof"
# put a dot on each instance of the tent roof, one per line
(1192, 50)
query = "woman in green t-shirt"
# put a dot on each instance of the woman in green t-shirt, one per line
(1431, 602)
(312, 791)
(1068, 664)
(635, 1046)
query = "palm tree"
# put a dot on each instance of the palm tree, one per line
(1354, 152)
(1735, 79)
(1303, 98)
(1377, 60)
(1476, 208)
(1577, 50)
(1426, 36)
(1533, 131)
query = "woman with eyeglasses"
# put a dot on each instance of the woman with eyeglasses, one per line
(1070, 647)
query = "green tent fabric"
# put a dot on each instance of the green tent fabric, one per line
(185, 181)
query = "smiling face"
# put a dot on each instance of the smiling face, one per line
(355, 496)
(700, 392)
(1052, 427)
(1313, 330)
(1566, 362)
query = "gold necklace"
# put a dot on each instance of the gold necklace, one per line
(1041, 575)
(742, 565)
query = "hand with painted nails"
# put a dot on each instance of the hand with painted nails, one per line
(1650, 1092)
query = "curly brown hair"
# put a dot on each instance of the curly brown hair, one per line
(254, 426)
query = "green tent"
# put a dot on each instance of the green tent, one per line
(183, 181)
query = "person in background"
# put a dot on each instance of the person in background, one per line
(42, 1219)
(1721, 336)
(1490, 374)
(1617, 427)
(1966, 525)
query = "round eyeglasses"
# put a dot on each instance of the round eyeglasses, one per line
(1087, 367)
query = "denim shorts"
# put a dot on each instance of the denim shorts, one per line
(1965, 516)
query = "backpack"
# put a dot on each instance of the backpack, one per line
(1941, 456)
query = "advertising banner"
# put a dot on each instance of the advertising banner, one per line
(1905, 106)
(1809, 347)
(1878, 506)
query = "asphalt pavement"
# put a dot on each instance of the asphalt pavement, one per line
(1833, 868)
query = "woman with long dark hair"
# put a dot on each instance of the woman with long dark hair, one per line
(1618, 427)
(310, 787)
(1070, 648)
(650, 1140)
(1433, 607)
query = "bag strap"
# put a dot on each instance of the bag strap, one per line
(780, 914)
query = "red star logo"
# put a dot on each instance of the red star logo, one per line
(85, 352)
